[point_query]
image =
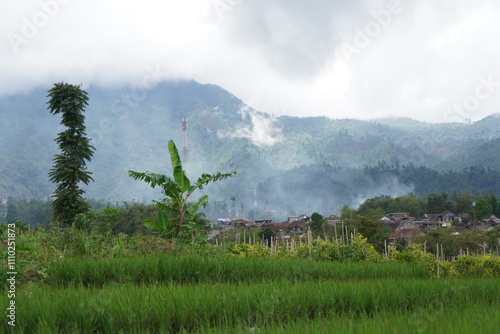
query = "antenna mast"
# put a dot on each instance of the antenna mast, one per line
(185, 156)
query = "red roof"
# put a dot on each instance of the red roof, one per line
(404, 233)
(242, 220)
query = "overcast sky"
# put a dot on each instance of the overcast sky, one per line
(431, 60)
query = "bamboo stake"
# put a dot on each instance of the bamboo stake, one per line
(342, 227)
(309, 240)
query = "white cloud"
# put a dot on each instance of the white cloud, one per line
(288, 53)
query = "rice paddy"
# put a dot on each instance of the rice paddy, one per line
(222, 294)
(185, 269)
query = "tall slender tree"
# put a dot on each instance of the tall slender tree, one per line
(69, 169)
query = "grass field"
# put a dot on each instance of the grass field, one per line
(221, 269)
(223, 294)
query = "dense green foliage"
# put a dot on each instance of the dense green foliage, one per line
(317, 223)
(473, 180)
(378, 206)
(266, 234)
(486, 205)
(34, 212)
(69, 169)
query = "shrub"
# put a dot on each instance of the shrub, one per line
(477, 265)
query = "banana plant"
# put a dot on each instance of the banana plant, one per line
(176, 214)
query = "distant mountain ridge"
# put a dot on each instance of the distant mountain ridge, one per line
(130, 129)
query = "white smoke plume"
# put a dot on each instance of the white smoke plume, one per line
(261, 132)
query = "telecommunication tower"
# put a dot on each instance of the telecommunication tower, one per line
(185, 155)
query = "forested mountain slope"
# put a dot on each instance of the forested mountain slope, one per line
(281, 161)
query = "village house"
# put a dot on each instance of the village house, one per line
(296, 218)
(425, 224)
(493, 220)
(489, 224)
(397, 217)
(279, 229)
(229, 224)
(262, 222)
(333, 221)
(289, 228)
(443, 219)
(406, 231)
(394, 220)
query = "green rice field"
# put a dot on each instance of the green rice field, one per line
(221, 269)
(224, 294)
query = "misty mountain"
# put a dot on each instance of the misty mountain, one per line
(283, 163)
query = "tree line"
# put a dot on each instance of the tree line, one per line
(485, 205)
(474, 180)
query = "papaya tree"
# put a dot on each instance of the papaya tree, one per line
(70, 168)
(177, 217)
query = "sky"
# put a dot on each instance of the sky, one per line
(430, 60)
